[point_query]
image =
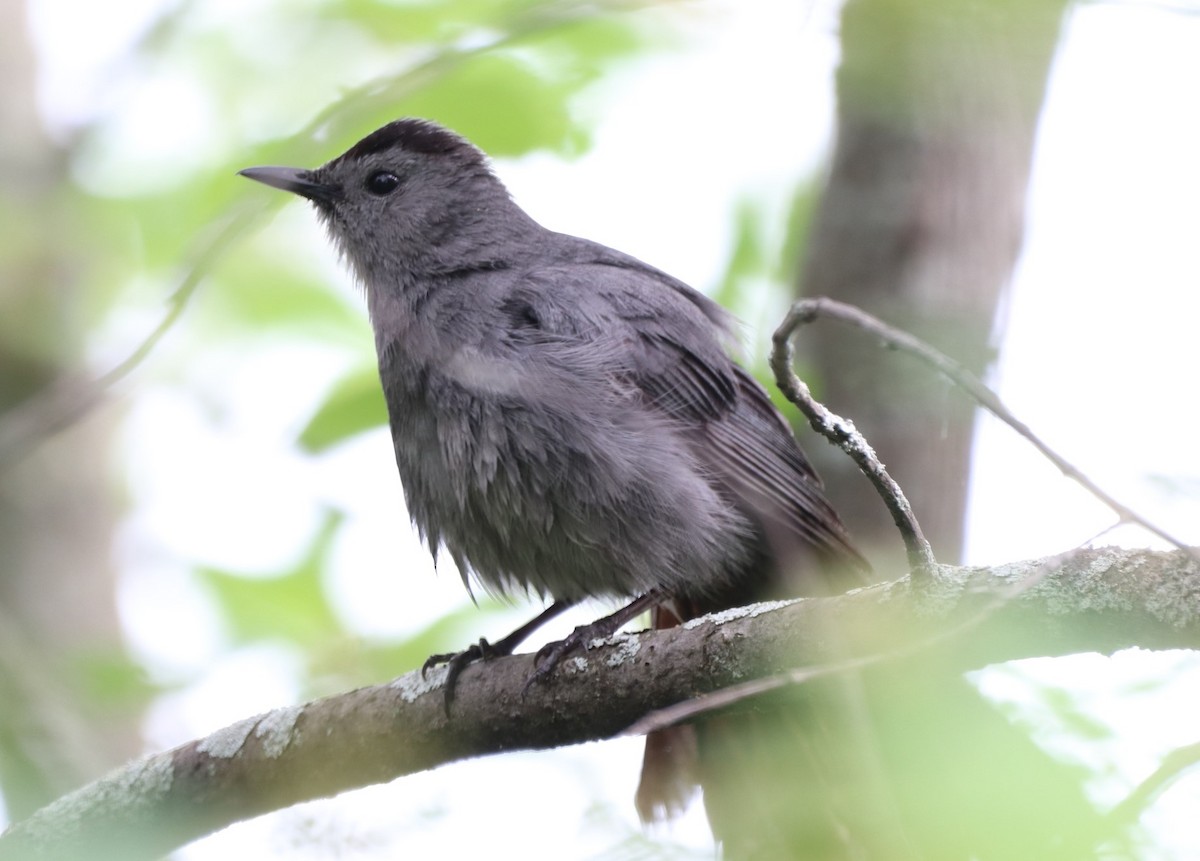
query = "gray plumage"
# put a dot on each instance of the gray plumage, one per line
(566, 418)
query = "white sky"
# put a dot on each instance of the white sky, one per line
(1099, 358)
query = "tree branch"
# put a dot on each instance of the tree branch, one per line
(808, 310)
(845, 436)
(1095, 600)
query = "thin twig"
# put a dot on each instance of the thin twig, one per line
(67, 400)
(842, 433)
(1174, 764)
(807, 310)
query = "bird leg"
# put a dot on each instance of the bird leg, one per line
(549, 655)
(456, 662)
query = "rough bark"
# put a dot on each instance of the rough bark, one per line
(1095, 600)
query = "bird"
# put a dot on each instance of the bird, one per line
(568, 421)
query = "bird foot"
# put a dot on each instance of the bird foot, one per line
(456, 662)
(550, 655)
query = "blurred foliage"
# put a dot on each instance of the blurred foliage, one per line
(764, 258)
(138, 224)
(291, 607)
(506, 74)
(146, 241)
(353, 405)
(119, 685)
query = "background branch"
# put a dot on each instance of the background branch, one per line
(808, 310)
(1097, 600)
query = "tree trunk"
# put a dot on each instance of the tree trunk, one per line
(921, 223)
(57, 608)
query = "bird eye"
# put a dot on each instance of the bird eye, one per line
(382, 182)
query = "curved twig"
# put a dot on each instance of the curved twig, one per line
(842, 433)
(807, 310)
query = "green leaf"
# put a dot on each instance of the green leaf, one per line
(796, 239)
(290, 605)
(454, 631)
(747, 259)
(112, 680)
(355, 404)
(502, 104)
(266, 295)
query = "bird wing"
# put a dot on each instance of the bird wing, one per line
(665, 339)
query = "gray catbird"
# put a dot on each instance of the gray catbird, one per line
(566, 418)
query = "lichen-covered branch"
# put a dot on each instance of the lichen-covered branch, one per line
(1094, 600)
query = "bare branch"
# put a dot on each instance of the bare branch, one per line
(842, 433)
(1176, 763)
(807, 310)
(1098, 600)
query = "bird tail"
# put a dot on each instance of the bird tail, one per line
(670, 763)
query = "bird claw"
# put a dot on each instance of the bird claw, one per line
(455, 663)
(549, 656)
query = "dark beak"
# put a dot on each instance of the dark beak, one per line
(292, 179)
